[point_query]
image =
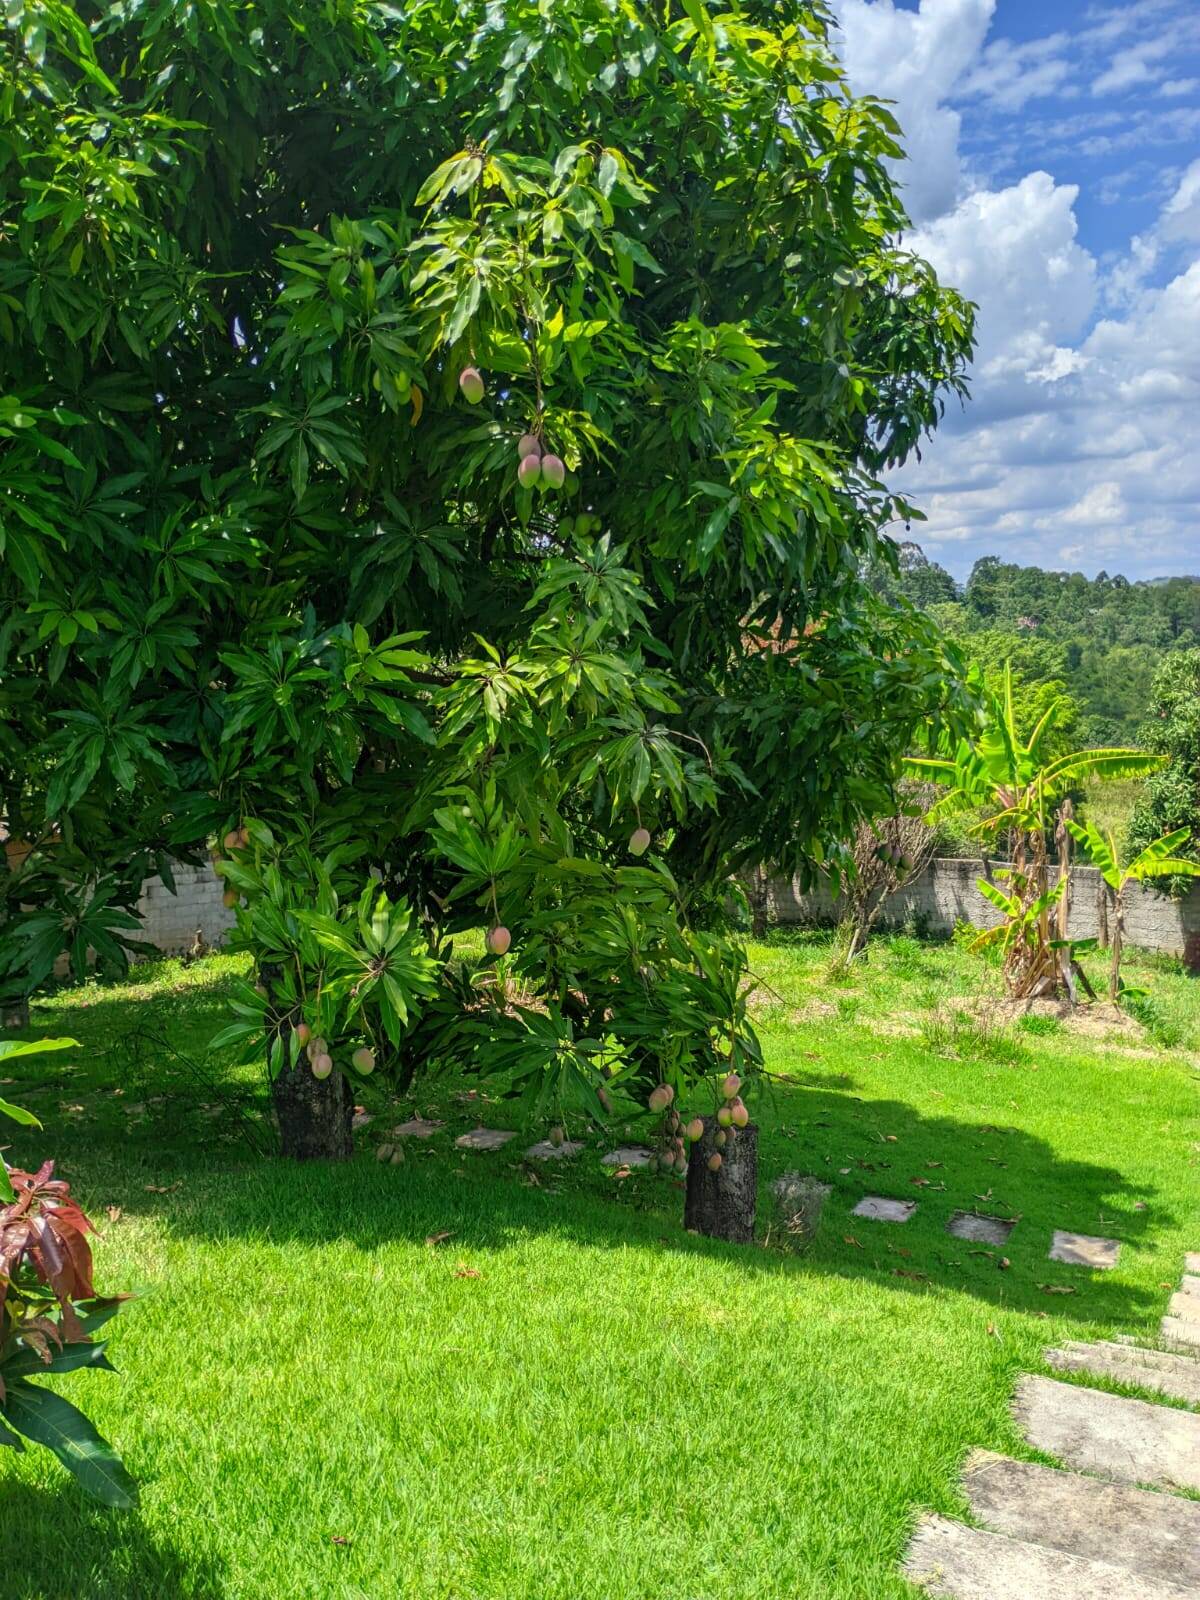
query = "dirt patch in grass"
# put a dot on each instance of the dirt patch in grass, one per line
(1097, 1020)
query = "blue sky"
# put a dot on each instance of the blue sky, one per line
(1054, 176)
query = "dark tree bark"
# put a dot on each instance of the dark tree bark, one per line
(723, 1204)
(16, 1014)
(759, 896)
(314, 1114)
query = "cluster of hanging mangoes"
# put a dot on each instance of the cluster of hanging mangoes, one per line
(674, 1135)
(537, 467)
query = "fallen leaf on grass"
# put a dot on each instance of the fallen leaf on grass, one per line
(991, 1328)
(845, 1170)
(338, 1538)
(440, 1238)
(921, 1183)
(931, 1164)
(918, 1277)
(462, 1271)
(981, 1252)
(1004, 1263)
(163, 1188)
(1056, 1288)
(850, 1239)
(623, 1172)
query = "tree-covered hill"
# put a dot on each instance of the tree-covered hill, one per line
(1100, 640)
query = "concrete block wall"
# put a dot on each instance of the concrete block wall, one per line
(169, 921)
(945, 893)
(936, 899)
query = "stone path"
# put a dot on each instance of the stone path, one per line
(1132, 1441)
(1176, 1376)
(979, 1229)
(416, 1128)
(547, 1150)
(880, 1209)
(484, 1139)
(1096, 1532)
(1082, 1250)
(628, 1155)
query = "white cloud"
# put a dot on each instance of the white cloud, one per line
(1102, 503)
(1141, 63)
(916, 58)
(1181, 214)
(1015, 252)
(1178, 86)
(1076, 424)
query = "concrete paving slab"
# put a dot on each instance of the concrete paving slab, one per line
(628, 1155)
(1083, 1250)
(880, 1209)
(979, 1229)
(1156, 1535)
(1191, 1262)
(484, 1139)
(1190, 1285)
(1186, 1307)
(959, 1563)
(417, 1128)
(1179, 1335)
(1175, 1375)
(1130, 1441)
(544, 1150)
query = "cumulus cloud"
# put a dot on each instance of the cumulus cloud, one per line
(1086, 382)
(916, 58)
(1181, 214)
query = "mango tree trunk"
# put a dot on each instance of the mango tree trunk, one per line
(314, 1114)
(723, 1204)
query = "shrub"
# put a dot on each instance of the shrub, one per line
(49, 1312)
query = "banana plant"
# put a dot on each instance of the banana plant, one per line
(1019, 792)
(1160, 859)
(1009, 777)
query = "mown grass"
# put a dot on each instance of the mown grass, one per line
(569, 1395)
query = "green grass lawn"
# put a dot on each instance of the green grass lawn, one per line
(570, 1396)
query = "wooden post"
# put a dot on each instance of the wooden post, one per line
(723, 1204)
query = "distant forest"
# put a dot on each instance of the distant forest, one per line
(1122, 659)
(1099, 641)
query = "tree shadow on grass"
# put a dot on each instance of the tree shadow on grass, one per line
(488, 1201)
(810, 1123)
(59, 1545)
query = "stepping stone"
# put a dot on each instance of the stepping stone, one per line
(1130, 1441)
(484, 1139)
(980, 1230)
(1180, 1334)
(1185, 1308)
(949, 1559)
(545, 1151)
(1082, 1250)
(628, 1155)
(881, 1209)
(1155, 1535)
(417, 1128)
(1190, 1285)
(1174, 1375)
(1191, 1262)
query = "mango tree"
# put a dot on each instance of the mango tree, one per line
(444, 450)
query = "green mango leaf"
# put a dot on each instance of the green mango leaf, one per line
(48, 1419)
